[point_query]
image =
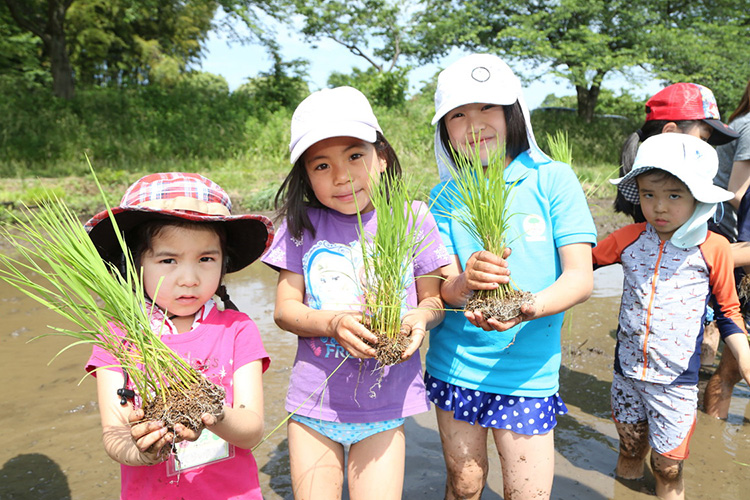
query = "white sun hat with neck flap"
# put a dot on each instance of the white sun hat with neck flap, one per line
(477, 78)
(691, 160)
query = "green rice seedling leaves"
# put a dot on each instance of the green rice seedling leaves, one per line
(560, 148)
(480, 199)
(59, 267)
(390, 253)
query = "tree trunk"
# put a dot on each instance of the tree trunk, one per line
(62, 73)
(587, 98)
(50, 28)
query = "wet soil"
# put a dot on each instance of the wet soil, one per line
(188, 407)
(51, 438)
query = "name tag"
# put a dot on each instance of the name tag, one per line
(207, 449)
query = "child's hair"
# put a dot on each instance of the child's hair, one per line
(629, 151)
(296, 194)
(516, 137)
(140, 240)
(744, 107)
(659, 175)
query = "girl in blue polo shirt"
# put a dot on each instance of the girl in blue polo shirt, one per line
(487, 375)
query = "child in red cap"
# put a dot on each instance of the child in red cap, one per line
(686, 108)
(183, 237)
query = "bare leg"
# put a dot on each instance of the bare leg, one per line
(376, 466)
(719, 389)
(668, 474)
(528, 464)
(633, 449)
(316, 463)
(710, 344)
(465, 453)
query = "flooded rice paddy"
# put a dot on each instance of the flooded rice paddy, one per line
(51, 446)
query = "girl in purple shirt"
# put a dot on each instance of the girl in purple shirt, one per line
(338, 395)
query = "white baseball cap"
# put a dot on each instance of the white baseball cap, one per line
(337, 112)
(475, 78)
(688, 158)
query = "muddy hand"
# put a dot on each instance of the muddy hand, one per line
(416, 334)
(151, 437)
(476, 318)
(183, 433)
(351, 334)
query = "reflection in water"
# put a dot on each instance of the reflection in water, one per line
(50, 421)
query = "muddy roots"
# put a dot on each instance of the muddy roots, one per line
(503, 309)
(187, 408)
(388, 350)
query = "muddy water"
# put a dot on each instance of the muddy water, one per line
(51, 447)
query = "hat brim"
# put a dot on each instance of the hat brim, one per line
(358, 130)
(699, 189)
(489, 97)
(248, 236)
(721, 134)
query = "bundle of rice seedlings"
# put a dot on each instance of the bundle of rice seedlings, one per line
(560, 148)
(388, 256)
(480, 199)
(59, 267)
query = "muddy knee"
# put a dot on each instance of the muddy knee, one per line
(466, 480)
(633, 439)
(666, 469)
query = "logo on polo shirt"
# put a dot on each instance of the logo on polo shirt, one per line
(534, 228)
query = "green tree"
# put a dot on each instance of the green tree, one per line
(384, 88)
(283, 86)
(122, 42)
(46, 20)
(374, 30)
(579, 40)
(704, 42)
(20, 52)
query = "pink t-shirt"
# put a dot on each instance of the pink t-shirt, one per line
(220, 343)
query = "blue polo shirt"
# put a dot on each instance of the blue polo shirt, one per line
(549, 210)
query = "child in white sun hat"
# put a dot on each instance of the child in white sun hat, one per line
(338, 395)
(673, 266)
(503, 381)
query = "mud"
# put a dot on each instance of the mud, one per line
(51, 444)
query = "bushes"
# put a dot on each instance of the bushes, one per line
(230, 137)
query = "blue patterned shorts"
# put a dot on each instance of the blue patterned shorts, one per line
(347, 433)
(520, 414)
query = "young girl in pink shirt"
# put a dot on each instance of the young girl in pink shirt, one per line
(181, 233)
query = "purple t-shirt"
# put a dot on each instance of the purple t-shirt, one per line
(331, 264)
(220, 344)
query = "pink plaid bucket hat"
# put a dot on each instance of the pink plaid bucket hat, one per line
(178, 195)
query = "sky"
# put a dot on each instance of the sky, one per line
(237, 62)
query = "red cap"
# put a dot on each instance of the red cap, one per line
(690, 101)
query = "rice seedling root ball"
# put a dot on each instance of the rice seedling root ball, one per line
(188, 407)
(502, 309)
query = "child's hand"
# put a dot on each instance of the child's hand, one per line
(416, 334)
(182, 433)
(485, 270)
(349, 332)
(476, 318)
(151, 437)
